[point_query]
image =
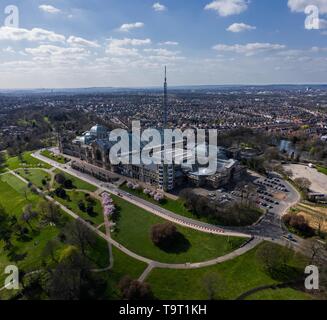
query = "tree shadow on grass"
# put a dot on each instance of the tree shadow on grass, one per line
(179, 245)
(285, 273)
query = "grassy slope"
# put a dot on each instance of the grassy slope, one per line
(176, 206)
(133, 231)
(75, 197)
(28, 161)
(50, 155)
(78, 183)
(238, 276)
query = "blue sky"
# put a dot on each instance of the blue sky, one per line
(77, 43)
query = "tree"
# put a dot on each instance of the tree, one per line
(50, 250)
(61, 193)
(28, 214)
(68, 184)
(303, 183)
(72, 279)
(5, 228)
(134, 290)
(81, 205)
(60, 178)
(78, 234)
(164, 235)
(50, 212)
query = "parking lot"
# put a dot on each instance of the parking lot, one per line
(268, 193)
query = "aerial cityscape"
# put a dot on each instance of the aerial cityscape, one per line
(153, 161)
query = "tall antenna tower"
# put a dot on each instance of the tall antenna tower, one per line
(165, 102)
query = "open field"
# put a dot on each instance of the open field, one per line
(35, 176)
(14, 194)
(133, 231)
(231, 279)
(27, 161)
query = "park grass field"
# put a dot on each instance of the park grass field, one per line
(15, 195)
(35, 176)
(232, 278)
(78, 183)
(50, 155)
(72, 204)
(133, 231)
(27, 161)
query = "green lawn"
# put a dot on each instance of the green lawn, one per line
(35, 176)
(322, 170)
(176, 206)
(14, 194)
(133, 231)
(233, 278)
(27, 160)
(78, 183)
(280, 294)
(72, 204)
(52, 156)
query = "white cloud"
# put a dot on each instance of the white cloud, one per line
(249, 49)
(300, 5)
(159, 7)
(49, 9)
(8, 50)
(117, 47)
(56, 54)
(126, 27)
(168, 43)
(227, 7)
(240, 27)
(80, 42)
(162, 52)
(36, 34)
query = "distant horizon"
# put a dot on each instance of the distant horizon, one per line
(160, 87)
